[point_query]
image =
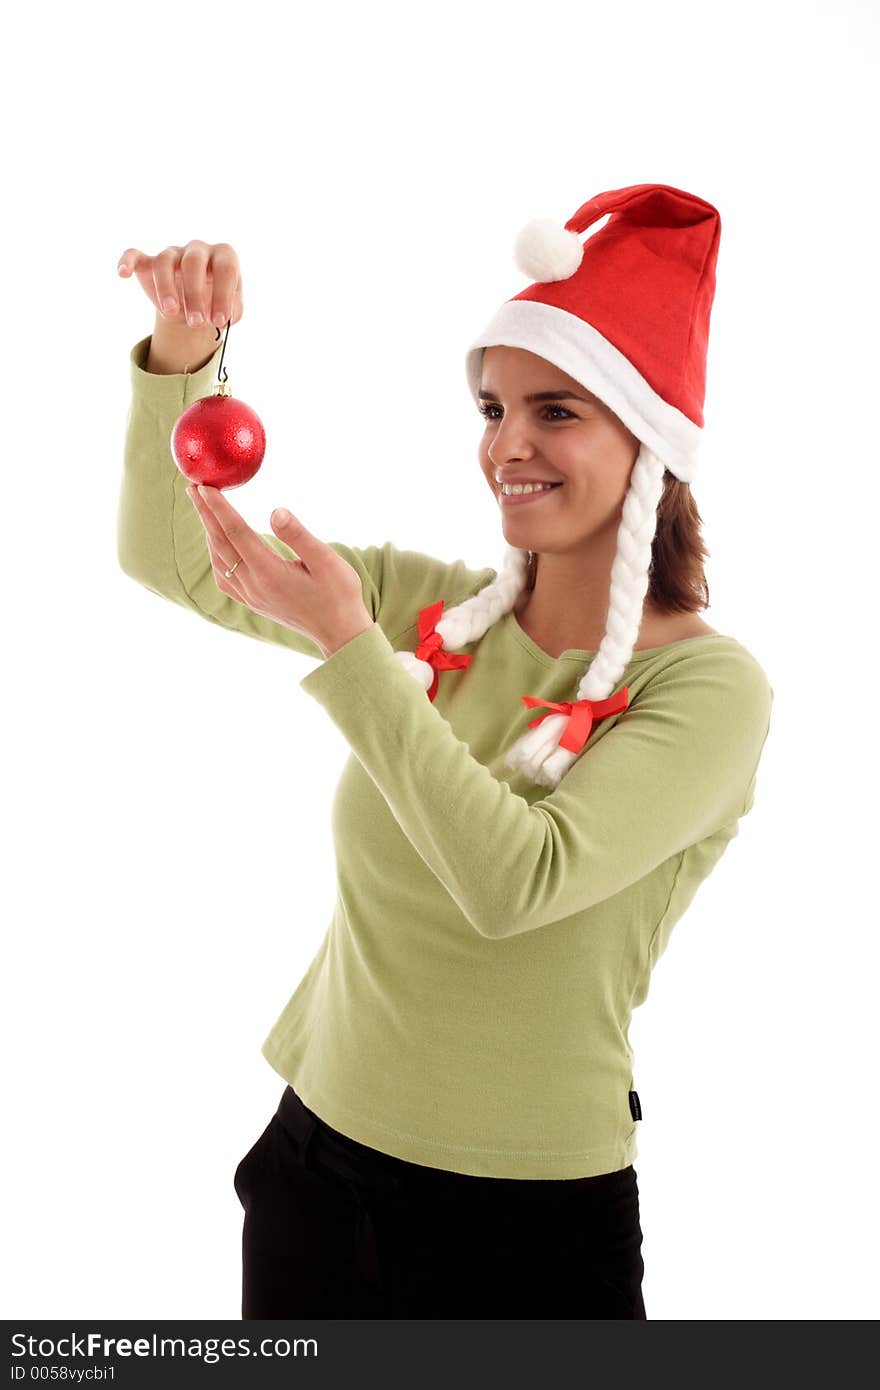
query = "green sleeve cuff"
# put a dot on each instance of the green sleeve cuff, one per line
(175, 388)
(368, 654)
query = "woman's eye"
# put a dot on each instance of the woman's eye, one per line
(484, 411)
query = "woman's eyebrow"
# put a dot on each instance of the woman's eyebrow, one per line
(540, 396)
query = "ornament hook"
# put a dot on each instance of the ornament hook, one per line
(221, 388)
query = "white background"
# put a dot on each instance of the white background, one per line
(169, 869)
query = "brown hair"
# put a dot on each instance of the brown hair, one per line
(676, 579)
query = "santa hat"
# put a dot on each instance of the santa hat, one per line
(626, 314)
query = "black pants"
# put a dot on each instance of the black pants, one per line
(334, 1229)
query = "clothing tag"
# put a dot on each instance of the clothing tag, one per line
(635, 1108)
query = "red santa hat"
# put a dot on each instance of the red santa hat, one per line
(626, 314)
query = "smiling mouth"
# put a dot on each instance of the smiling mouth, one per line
(512, 499)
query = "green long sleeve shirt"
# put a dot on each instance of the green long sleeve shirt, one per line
(469, 1005)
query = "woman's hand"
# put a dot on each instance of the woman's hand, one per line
(319, 595)
(193, 285)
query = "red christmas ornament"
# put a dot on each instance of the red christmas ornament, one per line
(219, 440)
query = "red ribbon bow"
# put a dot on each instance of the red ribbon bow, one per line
(430, 648)
(581, 714)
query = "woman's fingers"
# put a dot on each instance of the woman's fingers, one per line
(229, 533)
(164, 280)
(224, 271)
(201, 283)
(219, 548)
(193, 270)
(129, 260)
(216, 535)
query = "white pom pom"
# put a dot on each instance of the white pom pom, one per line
(545, 251)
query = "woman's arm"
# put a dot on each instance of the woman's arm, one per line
(673, 769)
(160, 539)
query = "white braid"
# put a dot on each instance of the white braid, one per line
(471, 620)
(537, 752)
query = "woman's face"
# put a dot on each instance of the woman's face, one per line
(578, 443)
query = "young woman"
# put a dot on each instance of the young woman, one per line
(547, 761)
